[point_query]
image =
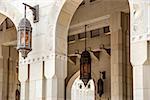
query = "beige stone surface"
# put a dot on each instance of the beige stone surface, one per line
(50, 39)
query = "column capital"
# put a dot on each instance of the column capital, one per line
(139, 52)
(56, 67)
(23, 73)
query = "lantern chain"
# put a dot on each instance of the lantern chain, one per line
(25, 11)
(85, 36)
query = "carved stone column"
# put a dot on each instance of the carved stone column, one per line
(55, 74)
(140, 49)
(141, 68)
(8, 78)
(116, 58)
(121, 72)
(24, 79)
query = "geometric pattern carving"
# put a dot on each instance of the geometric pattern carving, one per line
(42, 58)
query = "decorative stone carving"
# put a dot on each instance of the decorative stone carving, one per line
(137, 15)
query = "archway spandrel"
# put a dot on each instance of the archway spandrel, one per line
(10, 11)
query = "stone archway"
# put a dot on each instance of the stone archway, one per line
(80, 92)
(71, 82)
(69, 85)
(9, 19)
(62, 27)
(64, 19)
(9, 59)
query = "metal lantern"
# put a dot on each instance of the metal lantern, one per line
(100, 85)
(85, 64)
(24, 37)
(85, 67)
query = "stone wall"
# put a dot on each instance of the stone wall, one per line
(50, 45)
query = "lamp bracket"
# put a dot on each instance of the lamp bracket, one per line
(35, 11)
(108, 50)
(103, 75)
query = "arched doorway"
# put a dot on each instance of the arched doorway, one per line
(75, 88)
(117, 22)
(9, 58)
(80, 92)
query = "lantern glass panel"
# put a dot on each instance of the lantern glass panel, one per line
(85, 70)
(22, 38)
(27, 39)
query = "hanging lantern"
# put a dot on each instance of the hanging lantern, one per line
(85, 67)
(85, 64)
(24, 37)
(100, 85)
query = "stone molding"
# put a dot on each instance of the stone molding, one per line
(140, 37)
(42, 58)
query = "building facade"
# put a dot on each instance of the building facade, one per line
(118, 33)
